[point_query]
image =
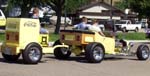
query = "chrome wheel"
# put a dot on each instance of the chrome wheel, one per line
(145, 52)
(64, 50)
(98, 53)
(94, 52)
(34, 53)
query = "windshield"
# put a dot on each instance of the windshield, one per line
(120, 22)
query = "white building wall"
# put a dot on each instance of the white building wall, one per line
(96, 9)
(100, 17)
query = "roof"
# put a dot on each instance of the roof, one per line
(102, 4)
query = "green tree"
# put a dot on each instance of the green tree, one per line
(73, 5)
(56, 5)
(70, 6)
(141, 6)
(24, 4)
(122, 4)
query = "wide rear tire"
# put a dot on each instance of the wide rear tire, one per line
(94, 52)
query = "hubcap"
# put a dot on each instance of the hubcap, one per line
(34, 53)
(145, 52)
(64, 51)
(98, 53)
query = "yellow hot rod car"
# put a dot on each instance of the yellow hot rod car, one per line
(23, 37)
(94, 46)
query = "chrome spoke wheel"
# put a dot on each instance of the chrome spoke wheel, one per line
(145, 52)
(98, 53)
(34, 53)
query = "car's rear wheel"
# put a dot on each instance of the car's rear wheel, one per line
(143, 52)
(94, 53)
(136, 29)
(32, 53)
(61, 52)
(11, 57)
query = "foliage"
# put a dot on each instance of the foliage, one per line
(56, 5)
(73, 5)
(25, 5)
(140, 6)
(121, 5)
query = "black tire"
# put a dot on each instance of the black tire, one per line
(91, 52)
(142, 52)
(32, 53)
(136, 29)
(124, 29)
(102, 29)
(10, 57)
(61, 53)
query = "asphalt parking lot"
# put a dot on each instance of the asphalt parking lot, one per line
(77, 66)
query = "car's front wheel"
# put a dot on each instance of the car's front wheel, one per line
(143, 52)
(136, 29)
(32, 53)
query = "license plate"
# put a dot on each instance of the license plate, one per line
(7, 51)
(69, 37)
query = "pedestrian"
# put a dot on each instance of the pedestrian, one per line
(83, 25)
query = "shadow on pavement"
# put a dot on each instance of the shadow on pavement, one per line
(83, 59)
(19, 61)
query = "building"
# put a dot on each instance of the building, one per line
(100, 10)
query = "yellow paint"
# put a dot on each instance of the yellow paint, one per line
(107, 42)
(22, 31)
(2, 21)
(69, 37)
(89, 39)
(43, 39)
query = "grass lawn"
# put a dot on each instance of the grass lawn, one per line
(2, 37)
(127, 36)
(53, 37)
(132, 36)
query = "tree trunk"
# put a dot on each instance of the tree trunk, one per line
(58, 20)
(25, 11)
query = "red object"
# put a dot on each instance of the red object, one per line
(78, 38)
